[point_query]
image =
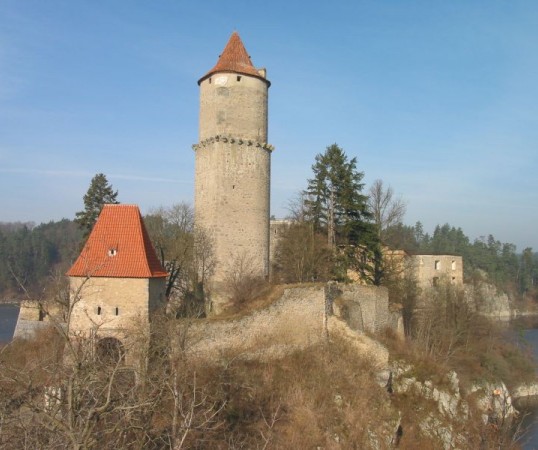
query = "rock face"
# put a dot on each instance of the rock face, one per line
(452, 408)
(526, 390)
(488, 300)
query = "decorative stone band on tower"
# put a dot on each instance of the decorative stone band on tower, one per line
(233, 165)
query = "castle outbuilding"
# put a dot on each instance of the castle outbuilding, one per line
(117, 282)
(431, 270)
(233, 165)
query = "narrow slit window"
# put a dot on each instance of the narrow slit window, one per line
(98, 310)
(117, 311)
(238, 77)
(453, 265)
(437, 265)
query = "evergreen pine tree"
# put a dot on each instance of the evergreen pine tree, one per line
(334, 200)
(99, 193)
(335, 205)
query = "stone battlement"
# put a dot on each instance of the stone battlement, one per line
(232, 140)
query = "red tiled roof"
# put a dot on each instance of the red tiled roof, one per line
(118, 246)
(234, 58)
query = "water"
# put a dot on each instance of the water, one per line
(529, 440)
(8, 320)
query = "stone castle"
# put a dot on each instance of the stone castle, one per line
(118, 281)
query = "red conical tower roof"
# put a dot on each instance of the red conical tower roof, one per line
(234, 58)
(118, 247)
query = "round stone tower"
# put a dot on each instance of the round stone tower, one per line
(233, 165)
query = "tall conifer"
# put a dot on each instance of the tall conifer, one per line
(334, 200)
(99, 193)
(336, 206)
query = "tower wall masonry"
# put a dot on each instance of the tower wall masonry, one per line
(95, 301)
(233, 167)
(232, 203)
(233, 107)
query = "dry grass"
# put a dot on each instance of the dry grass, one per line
(322, 397)
(266, 296)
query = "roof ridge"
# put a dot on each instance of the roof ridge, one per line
(149, 250)
(142, 237)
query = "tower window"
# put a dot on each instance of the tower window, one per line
(209, 80)
(117, 311)
(98, 310)
(233, 186)
(453, 265)
(238, 77)
(437, 265)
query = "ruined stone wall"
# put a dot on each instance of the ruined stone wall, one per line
(365, 308)
(432, 269)
(27, 328)
(34, 317)
(302, 317)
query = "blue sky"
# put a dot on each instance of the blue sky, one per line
(438, 99)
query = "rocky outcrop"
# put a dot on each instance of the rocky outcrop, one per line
(488, 300)
(451, 407)
(526, 390)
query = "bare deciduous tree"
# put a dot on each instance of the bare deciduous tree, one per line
(243, 282)
(387, 210)
(185, 252)
(302, 255)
